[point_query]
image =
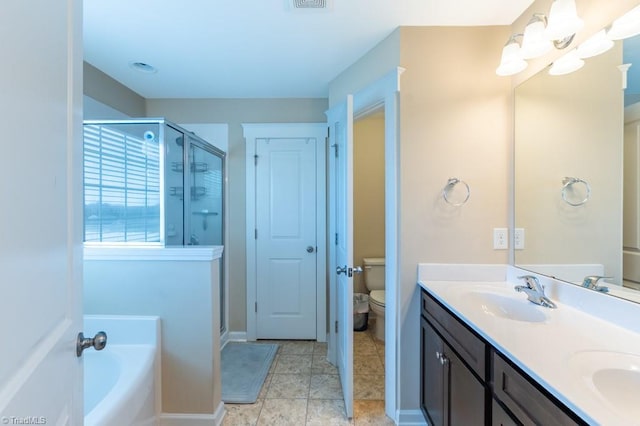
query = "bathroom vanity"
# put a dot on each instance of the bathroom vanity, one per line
(489, 356)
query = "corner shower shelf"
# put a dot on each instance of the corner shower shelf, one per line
(197, 192)
(197, 167)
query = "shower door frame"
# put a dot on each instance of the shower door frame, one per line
(190, 138)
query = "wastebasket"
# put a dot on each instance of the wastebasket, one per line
(360, 311)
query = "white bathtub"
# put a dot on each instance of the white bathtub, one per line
(121, 382)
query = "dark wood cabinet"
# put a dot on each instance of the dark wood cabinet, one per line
(433, 391)
(499, 417)
(450, 392)
(465, 381)
(525, 400)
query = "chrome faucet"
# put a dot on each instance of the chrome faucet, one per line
(534, 291)
(591, 282)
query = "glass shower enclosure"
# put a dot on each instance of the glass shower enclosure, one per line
(136, 175)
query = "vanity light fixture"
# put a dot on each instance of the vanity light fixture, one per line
(511, 61)
(534, 41)
(540, 35)
(568, 63)
(625, 26)
(563, 23)
(595, 45)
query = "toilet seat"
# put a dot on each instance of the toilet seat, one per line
(376, 297)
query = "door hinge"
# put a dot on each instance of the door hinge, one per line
(255, 160)
(335, 149)
(256, 307)
(255, 233)
(336, 326)
(336, 238)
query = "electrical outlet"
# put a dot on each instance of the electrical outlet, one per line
(518, 238)
(500, 238)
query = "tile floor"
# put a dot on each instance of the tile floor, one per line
(302, 388)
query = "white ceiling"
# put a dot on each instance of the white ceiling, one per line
(256, 48)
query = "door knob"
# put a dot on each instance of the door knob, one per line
(99, 341)
(357, 270)
(342, 270)
(310, 249)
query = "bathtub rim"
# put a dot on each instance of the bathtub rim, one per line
(154, 326)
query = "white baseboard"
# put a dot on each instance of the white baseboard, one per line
(237, 336)
(180, 419)
(411, 418)
(219, 413)
(232, 336)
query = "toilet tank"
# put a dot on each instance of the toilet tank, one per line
(374, 273)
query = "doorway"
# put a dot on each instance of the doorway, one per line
(368, 243)
(286, 244)
(382, 94)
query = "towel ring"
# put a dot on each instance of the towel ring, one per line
(449, 186)
(568, 182)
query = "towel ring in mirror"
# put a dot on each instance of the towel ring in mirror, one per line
(451, 183)
(567, 185)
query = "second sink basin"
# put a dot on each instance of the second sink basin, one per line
(614, 376)
(498, 305)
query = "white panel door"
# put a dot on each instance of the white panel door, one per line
(41, 214)
(341, 169)
(286, 238)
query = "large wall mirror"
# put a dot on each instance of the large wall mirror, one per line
(577, 172)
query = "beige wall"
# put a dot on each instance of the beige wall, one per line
(234, 112)
(108, 91)
(185, 295)
(373, 65)
(571, 125)
(455, 118)
(368, 192)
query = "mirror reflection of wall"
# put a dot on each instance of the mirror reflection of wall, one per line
(631, 211)
(570, 126)
(631, 55)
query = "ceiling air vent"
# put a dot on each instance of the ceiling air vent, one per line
(309, 4)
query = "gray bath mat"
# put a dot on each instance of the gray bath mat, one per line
(244, 368)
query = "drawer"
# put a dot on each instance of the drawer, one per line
(471, 348)
(528, 403)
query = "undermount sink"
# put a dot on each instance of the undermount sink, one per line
(613, 376)
(498, 305)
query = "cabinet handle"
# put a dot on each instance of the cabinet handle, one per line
(443, 359)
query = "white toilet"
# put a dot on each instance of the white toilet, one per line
(374, 280)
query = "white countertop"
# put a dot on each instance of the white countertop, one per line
(547, 350)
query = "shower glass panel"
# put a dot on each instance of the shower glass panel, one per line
(138, 190)
(205, 222)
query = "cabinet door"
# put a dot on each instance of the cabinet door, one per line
(499, 417)
(432, 380)
(466, 393)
